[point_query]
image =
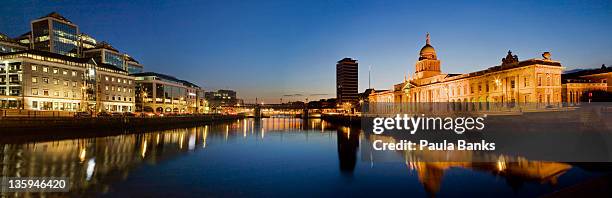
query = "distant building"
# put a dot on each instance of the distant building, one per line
(160, 93)
(9, 45)
(56, 34)
(576, 84)
(347, 81)
(221, 98)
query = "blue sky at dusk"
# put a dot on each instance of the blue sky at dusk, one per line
(268, 49)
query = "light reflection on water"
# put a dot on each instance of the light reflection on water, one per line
(270, 157)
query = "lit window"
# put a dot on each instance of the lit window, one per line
(74, 73)
(34, 80)
(106, 78)
(34, 91)
(55, 70)
(34, 68)
(106, 87)
(74, 83)
(65, 72)
(66, 83)
(45, 80)
(56, 81)
(56, 93)
(45, 69)
(113, 79)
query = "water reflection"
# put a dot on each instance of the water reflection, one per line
(516, 173)
(95, 165)
(348, 145)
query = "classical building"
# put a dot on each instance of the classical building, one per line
(347, 81)
(513, 81)
(576, 84)
(160, 93)
(41, 80)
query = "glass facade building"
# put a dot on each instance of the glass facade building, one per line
(56, 34)
(163, 94)
(9, 45)
(114, 59)
(134, 68)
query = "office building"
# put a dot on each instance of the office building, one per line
(55, 34)
(41, 80)
(221, 98)
(9, 45)
(347, 81)
(164, 94)
(105, 53)
(132, 65)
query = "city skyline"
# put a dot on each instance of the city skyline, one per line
(274, 50)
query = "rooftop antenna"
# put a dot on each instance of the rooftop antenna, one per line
(369, 77)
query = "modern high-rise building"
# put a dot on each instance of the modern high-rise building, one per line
(132, 65)
(56, 34)
(86, 42)
(347, 81)
(105, 53)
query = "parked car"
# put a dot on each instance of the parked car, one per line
(116, 114)
(103, 114)
(82, 114)
(129, 114)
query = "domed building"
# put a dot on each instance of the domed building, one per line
(428, 64)
(512, 81)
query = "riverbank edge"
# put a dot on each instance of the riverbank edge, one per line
(54, 125)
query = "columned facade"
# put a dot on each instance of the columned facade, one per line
(514, 81)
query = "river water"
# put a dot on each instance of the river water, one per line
(269, 157)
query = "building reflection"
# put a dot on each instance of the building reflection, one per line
(348, 145)
(94, 164)
(515, 170)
